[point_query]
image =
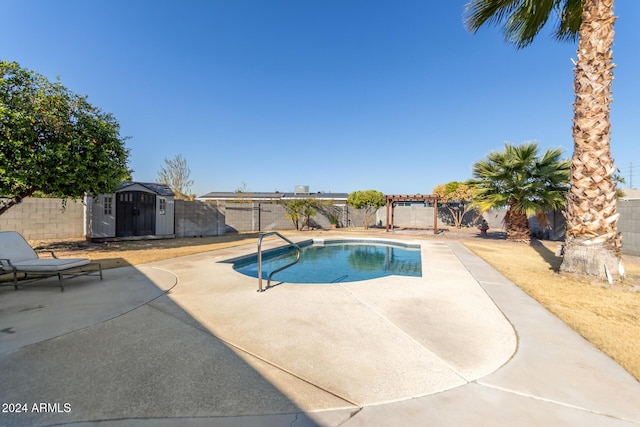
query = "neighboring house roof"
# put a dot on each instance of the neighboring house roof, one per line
(269, 196)
(160, 189)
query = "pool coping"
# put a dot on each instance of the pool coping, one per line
(321, 240)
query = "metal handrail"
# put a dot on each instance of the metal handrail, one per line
(260, 289)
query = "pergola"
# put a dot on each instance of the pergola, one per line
(392, 200)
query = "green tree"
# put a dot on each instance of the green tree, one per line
(619, 179)
(367, 202)
(592, 242)
(53, 141)
(456, 197)
(308, 212)
(300, 211)
(294, 212)
(176, 174)
(524, 183)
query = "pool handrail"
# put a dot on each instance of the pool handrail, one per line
(273, 233)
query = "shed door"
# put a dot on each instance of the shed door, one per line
(135, 214)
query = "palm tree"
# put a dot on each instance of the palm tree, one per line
(301, 210)
(294, 211)
(592, 242)
(526, 184)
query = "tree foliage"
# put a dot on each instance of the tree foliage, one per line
(518, 179)
(522, 20)
(367, 202)
(456, 197)
(176, 174)
(53, 141)
(592, 238)
(300, 211)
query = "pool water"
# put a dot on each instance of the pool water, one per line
(336, 262)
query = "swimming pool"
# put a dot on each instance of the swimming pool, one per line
(336, 261)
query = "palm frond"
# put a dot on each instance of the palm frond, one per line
(526, 21)
(480, 12)
(570, 13)
(520, 179)
(522, 20)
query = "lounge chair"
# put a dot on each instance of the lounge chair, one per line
(18, 257)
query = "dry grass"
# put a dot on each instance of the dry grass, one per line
(606, 316)
(133, 252)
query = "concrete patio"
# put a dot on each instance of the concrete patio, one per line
(189, 341)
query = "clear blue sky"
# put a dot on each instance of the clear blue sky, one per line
(339, 95)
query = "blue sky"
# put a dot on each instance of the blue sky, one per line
(338, 95)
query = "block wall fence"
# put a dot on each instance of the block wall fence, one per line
(196, 218)
(629, 226)
(44, 219)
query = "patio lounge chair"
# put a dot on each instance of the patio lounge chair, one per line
(18, 257)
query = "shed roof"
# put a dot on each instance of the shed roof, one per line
(160, 189)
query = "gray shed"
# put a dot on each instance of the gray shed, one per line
(135, 209)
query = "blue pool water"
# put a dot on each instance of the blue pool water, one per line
(336, 261)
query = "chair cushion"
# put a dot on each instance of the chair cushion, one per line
(45, 265)
(14, 247)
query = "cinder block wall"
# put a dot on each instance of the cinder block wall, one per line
(629, 226)
(272, 216)
(257, 217)
(197, 218)
(411, 217)
(40, 219)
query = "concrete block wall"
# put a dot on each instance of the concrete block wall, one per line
(197, 218)
(411, 217)
(495, 218)
(256, 217)
(41, 219)
(272, 216)
(629, 226)
(250, 216)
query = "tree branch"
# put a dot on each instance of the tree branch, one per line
(6, 204)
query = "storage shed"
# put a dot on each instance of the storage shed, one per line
(135, 209)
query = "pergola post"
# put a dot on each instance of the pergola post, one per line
(393, 199)
(387, 217)
(393, 211)
(435, 216)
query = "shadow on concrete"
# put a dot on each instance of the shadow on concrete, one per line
(121, 349)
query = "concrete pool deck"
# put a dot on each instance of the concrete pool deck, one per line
(189, 341)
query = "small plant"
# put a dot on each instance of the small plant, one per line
(333, 219)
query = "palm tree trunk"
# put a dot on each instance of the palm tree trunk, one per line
(592, 244)
(517, 225)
